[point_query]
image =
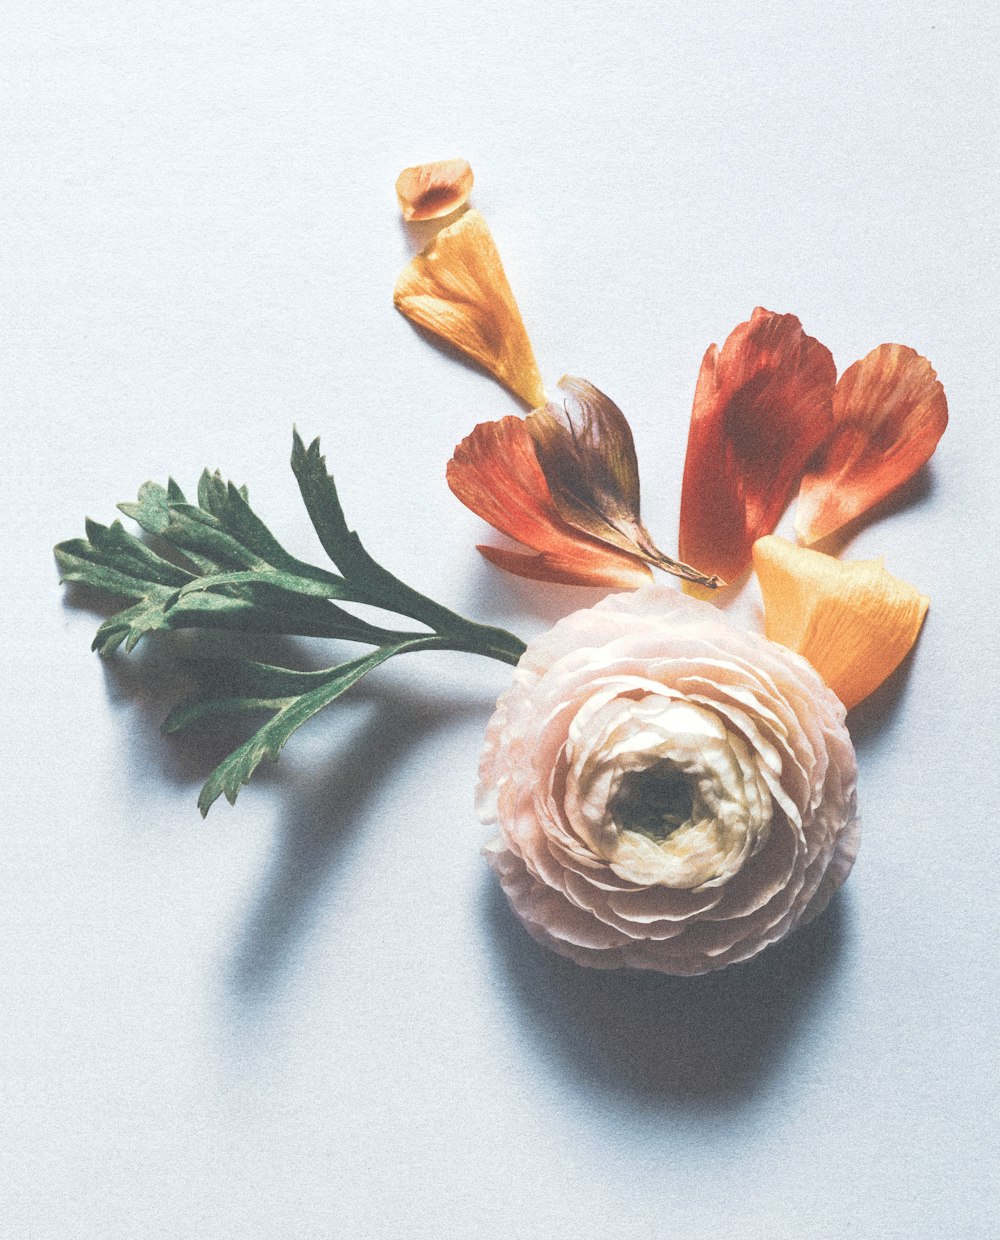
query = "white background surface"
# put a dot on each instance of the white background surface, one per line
(312, 1015)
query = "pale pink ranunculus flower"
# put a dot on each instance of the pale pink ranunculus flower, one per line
(673, 792)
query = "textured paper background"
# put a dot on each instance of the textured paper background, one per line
(311, 1015)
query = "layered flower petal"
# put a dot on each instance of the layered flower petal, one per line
(585, 449)
(496, 473)
(889, 411)
(430, 191)
(456, 288)
(854, 622)
(671, 792)
(762, 407)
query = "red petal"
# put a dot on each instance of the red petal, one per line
(889, 412)
(495, 472)
(761, 409)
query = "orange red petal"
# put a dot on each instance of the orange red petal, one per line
(855, 622)
(889, 411)
(496, 473)
(430, 191)
(762, 406)
(456, 288)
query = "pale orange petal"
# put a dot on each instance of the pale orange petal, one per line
(854, 622)
(430, 191)
(457, 289)
(889, 411)
(495, 473)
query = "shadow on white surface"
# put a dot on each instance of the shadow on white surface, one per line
(914, 494)
(322, 817)
(715, 1040)
(870, 722)
(519, 597)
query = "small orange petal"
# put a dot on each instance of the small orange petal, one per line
(889, 411)
(854, 622)
(761, 409)
(495, 472)
(457, 289)
(430, 191)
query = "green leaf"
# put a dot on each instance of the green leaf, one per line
(279, 578)
(374, 584)
(197, 709)
(319, 493)
(233, 772)
(117, 546)
(234, 575)
(248, 678)
(80, 561)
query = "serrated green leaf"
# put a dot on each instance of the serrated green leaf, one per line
(233, 772)
(278, 578)
(248, 678)
(242, 579)
(319, 493)
(197, 709)
(132, 623)
(121, 549)
(80, 561)
(374, 583)
(212, 492)
(152, 512)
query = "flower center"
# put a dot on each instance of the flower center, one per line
(653, 802)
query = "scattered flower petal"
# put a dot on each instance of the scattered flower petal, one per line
(585, 448)
(430, 191)
(456, 288)
(889, 411)
(496, 473)
(761, 409)
(854, 622)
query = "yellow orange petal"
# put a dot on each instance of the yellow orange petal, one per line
(854, 622)
(430, 191)
(457, 289)
(889, 411)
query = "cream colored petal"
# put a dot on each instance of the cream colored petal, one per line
(456, 288)
(579, 715)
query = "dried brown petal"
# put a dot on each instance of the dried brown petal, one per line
(585, 448)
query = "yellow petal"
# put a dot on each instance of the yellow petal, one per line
(854, 622)
(457, 289)
(430, 191)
